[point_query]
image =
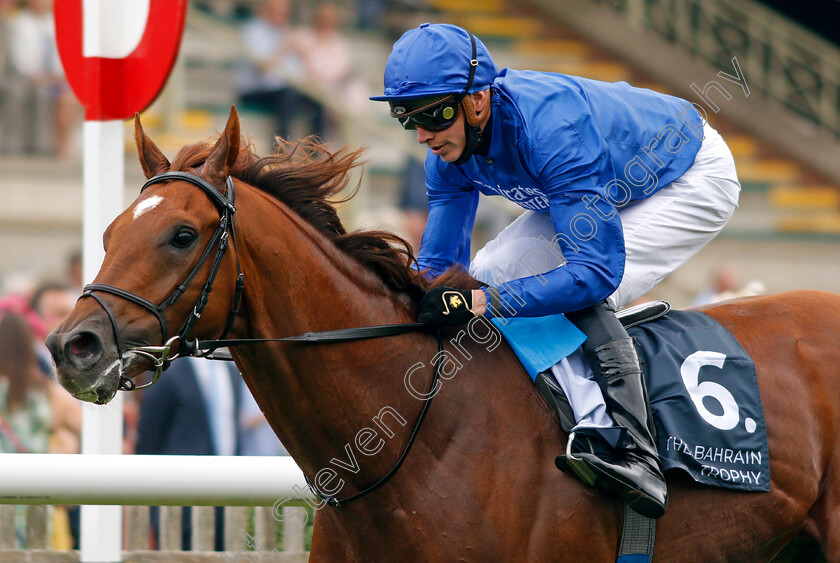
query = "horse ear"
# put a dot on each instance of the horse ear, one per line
(225, 152)
(152, 159)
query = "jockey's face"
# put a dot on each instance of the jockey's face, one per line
(448, 144)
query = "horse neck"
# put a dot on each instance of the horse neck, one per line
(325, 400)
(317, 396)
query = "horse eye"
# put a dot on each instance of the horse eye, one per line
(183, 238)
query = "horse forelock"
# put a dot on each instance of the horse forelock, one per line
(307, 177)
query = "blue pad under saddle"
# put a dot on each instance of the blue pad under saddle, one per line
(540, 342)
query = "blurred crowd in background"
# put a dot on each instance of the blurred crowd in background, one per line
(293, 54)
(199, 407)
(37, 109)
(293, 62)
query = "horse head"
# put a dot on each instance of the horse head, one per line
(160, 254)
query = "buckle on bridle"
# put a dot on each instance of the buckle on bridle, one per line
(161, 356)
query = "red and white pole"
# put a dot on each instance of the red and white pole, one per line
(117, 55)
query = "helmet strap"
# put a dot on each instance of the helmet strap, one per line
(472, 126)
(473, 134)
(472, 118)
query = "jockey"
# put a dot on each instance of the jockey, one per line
(622, 184)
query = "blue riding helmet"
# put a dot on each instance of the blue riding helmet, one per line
(434, 60)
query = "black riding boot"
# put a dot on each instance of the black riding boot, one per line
(635, 472)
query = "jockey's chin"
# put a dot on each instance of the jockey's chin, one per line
(448, 144)
(447, 153)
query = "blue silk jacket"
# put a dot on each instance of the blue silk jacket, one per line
(578, 149)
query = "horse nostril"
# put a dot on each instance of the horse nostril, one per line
(53, 344)
(84, 345)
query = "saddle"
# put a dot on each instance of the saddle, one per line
(703, 394)
(629, 317)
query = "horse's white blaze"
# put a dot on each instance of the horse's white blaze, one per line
(146, 204)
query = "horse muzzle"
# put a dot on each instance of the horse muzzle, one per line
(86, 361)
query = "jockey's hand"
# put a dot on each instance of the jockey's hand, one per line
(447, 306)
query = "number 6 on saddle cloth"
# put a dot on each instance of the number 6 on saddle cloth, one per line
(701, 383)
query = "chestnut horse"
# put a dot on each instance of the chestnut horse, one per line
(479, 483)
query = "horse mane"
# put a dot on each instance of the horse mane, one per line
(306, 177)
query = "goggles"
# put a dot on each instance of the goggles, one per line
(432, 114)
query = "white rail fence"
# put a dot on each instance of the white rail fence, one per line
(262, 496)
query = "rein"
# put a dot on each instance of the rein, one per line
(162, 355)
(196, 348)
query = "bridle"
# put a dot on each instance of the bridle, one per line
(162, 355)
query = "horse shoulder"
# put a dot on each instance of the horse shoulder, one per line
(518, 436)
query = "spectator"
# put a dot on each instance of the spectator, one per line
(258, 438)
(39, 109)
(6, 13)
(192, 410)
(36, 415)
(52, 302)
(414, 202)
(43, 416)
(370, 14)
(326, 61)
(323, 49)
(726, 285)
(74, 270)
(270, 65)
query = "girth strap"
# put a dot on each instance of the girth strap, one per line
(638, 538)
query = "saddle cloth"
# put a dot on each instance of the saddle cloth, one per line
(703, 393)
